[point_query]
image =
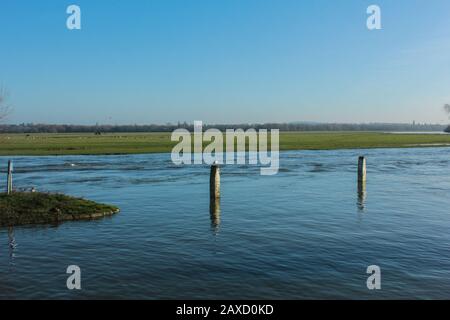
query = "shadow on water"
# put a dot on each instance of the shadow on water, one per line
(362, 195)
(12, 245)
(214, 211)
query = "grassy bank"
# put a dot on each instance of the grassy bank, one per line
(72, 144)
(24, 208)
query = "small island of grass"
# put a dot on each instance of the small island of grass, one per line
(25, 208)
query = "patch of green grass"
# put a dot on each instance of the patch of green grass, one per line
(127, 143)
(357, 140)
(23, 208)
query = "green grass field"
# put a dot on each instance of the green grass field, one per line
(75, 144)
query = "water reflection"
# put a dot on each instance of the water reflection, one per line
(362, 195)
(12, 245)
(214, 211)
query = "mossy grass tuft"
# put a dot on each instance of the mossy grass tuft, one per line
(27, 208)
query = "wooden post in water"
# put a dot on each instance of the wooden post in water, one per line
(214, 182)
(9, 178)
(361, 170)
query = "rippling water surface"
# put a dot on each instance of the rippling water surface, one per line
(304, 233)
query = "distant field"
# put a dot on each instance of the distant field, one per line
(124, 143)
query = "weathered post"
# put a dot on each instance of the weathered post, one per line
(214, 182)
(214, 197)
(361, 182)
(9, 178)
(362, 169)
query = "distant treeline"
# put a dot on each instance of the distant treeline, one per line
(68, 128)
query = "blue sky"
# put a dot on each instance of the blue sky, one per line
(224, 61)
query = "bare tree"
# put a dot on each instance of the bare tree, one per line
(5, 109)
(447, 108)
(447, 111)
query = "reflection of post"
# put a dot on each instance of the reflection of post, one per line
(361, 195)
(9, 179)
(12, 244)
(214, 182)
(214, 210)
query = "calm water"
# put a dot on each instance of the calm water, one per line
(304, 233)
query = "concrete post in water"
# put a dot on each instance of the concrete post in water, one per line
(214, 196)
(9, 178)
(361, 183)
(214, 182)
(362, 169)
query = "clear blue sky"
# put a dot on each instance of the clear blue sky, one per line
(223, 61)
